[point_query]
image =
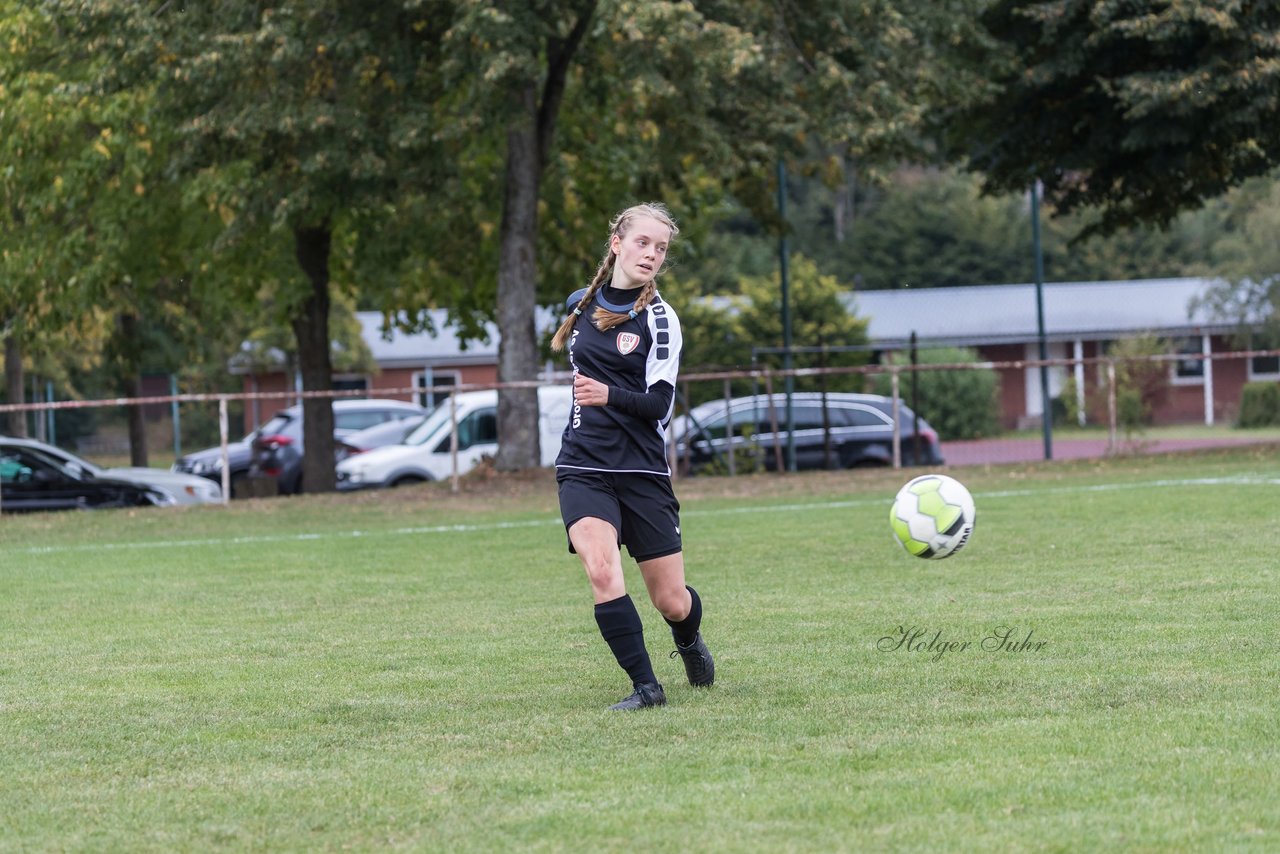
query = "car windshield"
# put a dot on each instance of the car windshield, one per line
(77, 464)
(436, 421)
(68, 460)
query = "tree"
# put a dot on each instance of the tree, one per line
(934, 228)
(1140, 109)
(296, 120)
(40, 128)
(101, 229)
(821, 323)
(680, 100)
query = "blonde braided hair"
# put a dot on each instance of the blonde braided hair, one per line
(602, 317)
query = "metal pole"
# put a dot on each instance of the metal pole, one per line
(784, 271)
(226, 456)
(915, 400)
(52, 426)
(688, 432)
(1046, 410)
(453, 440)
(728, 429)
(177, 419)
(37, 417)
(1206, 349)
(897, 423)
(1113, 443)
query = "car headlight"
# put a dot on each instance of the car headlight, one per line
(196, 466)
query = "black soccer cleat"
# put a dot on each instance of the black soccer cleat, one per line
(646, 695)
(698, 663)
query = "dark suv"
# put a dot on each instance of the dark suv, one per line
(842, 431)
(275, 448)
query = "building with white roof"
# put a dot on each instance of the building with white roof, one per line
(1081, 319)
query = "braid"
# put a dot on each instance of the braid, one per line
(603, 272)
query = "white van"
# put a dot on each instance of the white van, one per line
(426, 454)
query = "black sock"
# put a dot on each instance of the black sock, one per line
(686, 631)
(619, 623)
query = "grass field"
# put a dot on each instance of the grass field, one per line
(420, 671)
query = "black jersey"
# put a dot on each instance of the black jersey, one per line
(639, 356)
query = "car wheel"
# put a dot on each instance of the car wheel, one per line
(853, 460)
(407, 480)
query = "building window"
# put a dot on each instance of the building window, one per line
(434, 387)
(351, 384)
(1188, 370)
(1264, 368)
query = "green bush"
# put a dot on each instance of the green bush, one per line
(1260, 405)
(1131, 411)
(960, 403)
(1141, 384)
(1066, 406)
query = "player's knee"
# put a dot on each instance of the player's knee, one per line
(673, 603)
(602, 572)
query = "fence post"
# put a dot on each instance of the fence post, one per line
(51, 429)
(688, 431)
(1113, 445)
(453, 440)
(223, 429)
(1206, 349)
(773, 423)
(175, 416)
(897, 416)
(728, 427)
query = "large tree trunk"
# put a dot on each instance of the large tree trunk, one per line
(138, 454)
(518, 445)
(529, 139)
(129, 379)
(13, 380)
(311, 328)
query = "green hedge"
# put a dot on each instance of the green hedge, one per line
(959, 404)
(1260, 405)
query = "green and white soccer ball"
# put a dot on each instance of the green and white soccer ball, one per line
(932, 516)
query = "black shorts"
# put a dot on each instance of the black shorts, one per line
(641, 507)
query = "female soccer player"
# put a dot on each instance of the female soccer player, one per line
(614, 482)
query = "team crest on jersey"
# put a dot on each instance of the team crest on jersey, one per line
(627, 341)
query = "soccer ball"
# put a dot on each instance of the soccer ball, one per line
(932, 516)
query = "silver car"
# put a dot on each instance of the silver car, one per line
(182, 488)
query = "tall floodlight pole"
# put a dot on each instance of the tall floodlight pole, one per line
(785, 276)
(1046, 411)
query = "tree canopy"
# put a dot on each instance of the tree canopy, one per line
(1140, 109)
(277, 163)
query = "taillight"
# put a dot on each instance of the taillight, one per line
(271, 443)
(342, 451)
(930, 435)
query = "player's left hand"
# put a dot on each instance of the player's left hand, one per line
(589, 392)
